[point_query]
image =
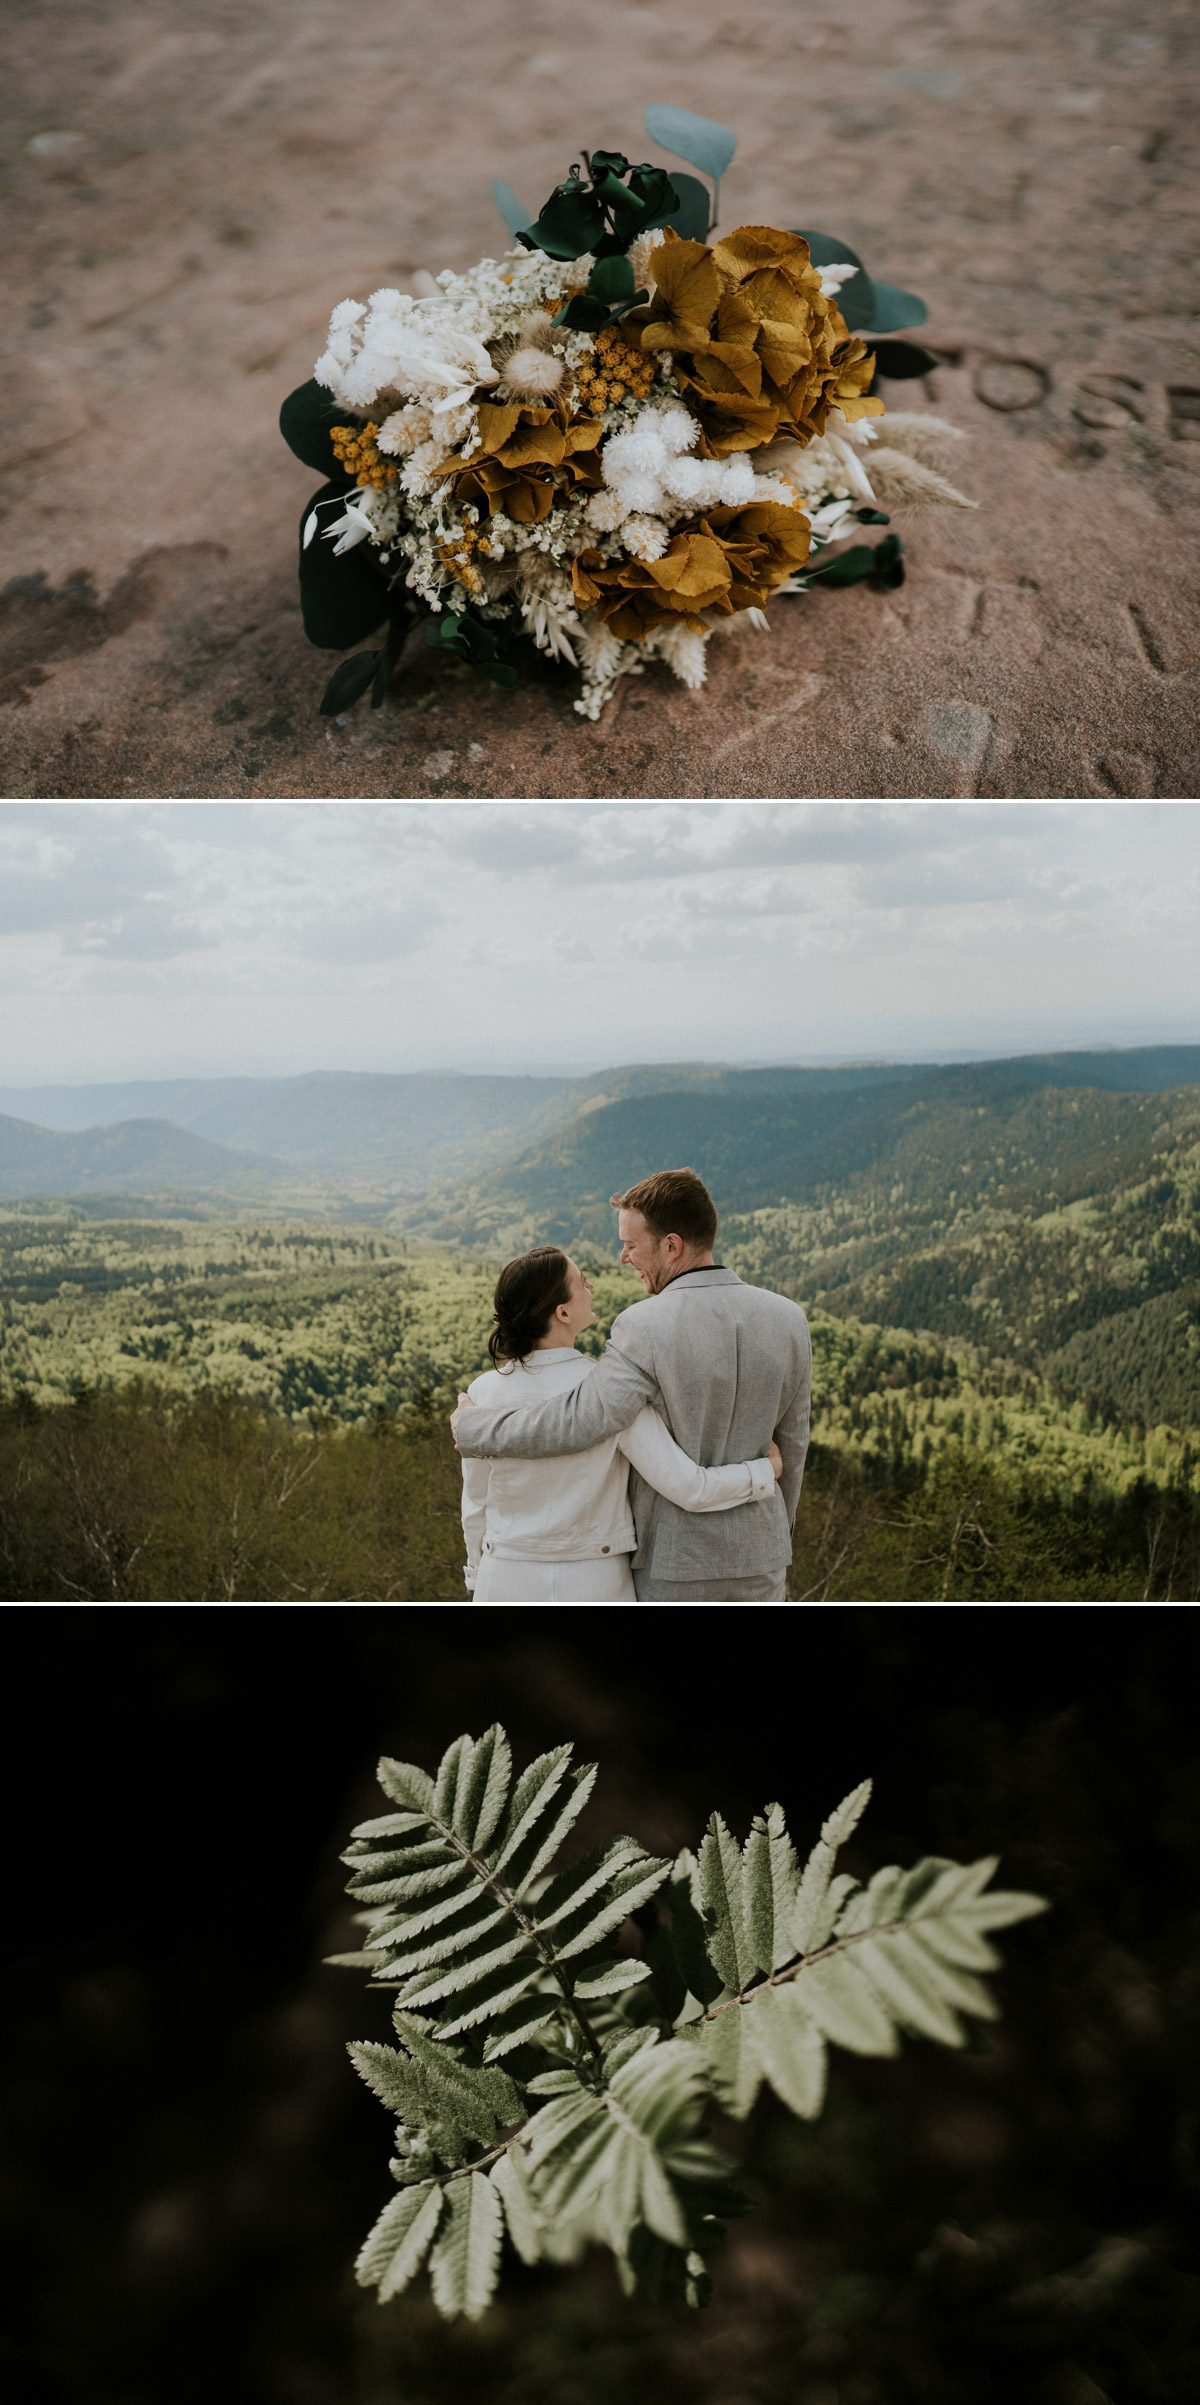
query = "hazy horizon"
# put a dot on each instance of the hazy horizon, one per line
(148, 942)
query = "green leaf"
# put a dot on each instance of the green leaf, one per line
(517, 2024)
(343, 597)
(305, 421)
(659, 2088)
(466, 2259)
(397, 2246)
(348, 681)
(515, 214)
(392, 1824)
(612, 1978)
(509, 2179)
(526, 1860)
(479, 2099)
(691, 218)
(844, 2004)
(470, 640)
(413, 1886)
(599, 1916)
(909, 1987)
(733, 2059)
(406, 1785)
(409, 1952)
(571, 222)
(842, 1823)
(687, 1933)
(721, 1891)
(495, 1788)
(892, 309)
(790, 2048)
(391, 2077)
(470, 1966)
(902, 360)
(856, 298)
(534, 1792)
(491, 1994)
(771, 1883)
(702, 141)
(660, 2205)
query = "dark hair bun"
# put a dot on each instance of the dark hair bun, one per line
(528, 1293)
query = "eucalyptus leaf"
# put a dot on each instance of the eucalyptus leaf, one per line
(856, 300)
(702, 141)
(893, 309)
(344, 688)
(692, 219)
(516, 216)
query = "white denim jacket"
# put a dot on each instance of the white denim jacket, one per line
(574, 1507)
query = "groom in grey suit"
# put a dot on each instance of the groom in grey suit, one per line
(727, 1366)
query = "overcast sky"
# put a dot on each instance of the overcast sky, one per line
(214, 938)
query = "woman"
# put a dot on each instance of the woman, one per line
(561, 1530)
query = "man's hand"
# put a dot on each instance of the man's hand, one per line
(465, 1404)
(774, 1456)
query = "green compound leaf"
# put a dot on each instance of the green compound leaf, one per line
(598, 2133)
(466, 2259)
(702, 141)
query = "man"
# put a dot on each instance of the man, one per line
(727, 1365)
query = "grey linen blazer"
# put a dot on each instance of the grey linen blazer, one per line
(727, 1366)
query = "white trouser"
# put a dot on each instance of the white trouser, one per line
(501, 1580)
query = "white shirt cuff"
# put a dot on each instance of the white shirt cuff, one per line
(762, 1481)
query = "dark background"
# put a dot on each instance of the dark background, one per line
(190, 2165)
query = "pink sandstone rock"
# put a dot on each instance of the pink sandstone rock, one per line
(191, 188)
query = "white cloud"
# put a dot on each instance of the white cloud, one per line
(214, 938)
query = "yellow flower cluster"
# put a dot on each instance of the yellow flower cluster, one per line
(355, 447)
(615, 372)
(457, 556)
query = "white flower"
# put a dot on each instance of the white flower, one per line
(405, 428)
(605, 511)
(684, 652)
(835, 275)
(357, 522)
(646, 538)
(399, 345)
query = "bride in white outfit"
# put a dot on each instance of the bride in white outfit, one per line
(560, 1530)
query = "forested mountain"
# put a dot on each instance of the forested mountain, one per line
(985, 1203)
(137, 1156)
(411, 1131)
(1044, 1211)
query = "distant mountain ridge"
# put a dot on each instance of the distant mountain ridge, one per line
(414, 1130)
(133, 1156)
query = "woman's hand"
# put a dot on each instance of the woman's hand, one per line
(775, 1457)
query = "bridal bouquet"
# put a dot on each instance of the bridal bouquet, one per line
(610, 444)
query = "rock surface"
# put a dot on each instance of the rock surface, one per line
(191, 187)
